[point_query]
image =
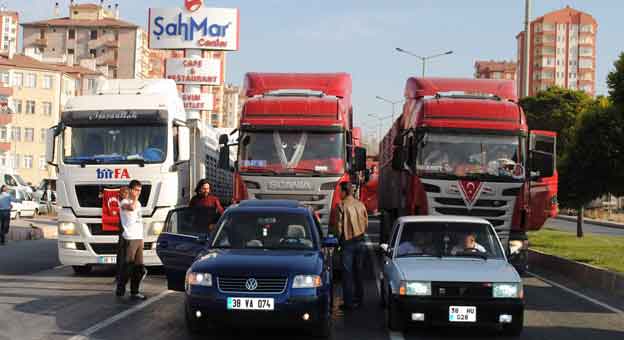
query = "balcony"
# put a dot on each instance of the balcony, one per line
(41, 42)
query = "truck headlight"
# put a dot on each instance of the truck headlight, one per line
(415, 288)
(156, 228)
(307, 281)
(199, 279)
(507, 290)
(67, 228)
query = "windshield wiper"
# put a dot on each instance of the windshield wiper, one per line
(257, 169)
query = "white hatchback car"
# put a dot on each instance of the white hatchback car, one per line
(24, 206)
(449, 270)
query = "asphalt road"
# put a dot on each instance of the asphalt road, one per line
(54, 304)
(588, 227)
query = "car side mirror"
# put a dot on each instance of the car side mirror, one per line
(385, 248)
(330, 241)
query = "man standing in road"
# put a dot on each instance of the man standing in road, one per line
(5, 212)
(351, 225)
(208, 208)
(132, 224)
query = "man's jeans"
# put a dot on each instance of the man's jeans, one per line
(352, 280)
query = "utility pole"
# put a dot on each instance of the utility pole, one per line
(527, 45)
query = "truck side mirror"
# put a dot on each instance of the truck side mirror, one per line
(397, 158)
(360, 159)
(224, 156)
(184, 144)
(224, 139)
(542, 164)
(50, 145)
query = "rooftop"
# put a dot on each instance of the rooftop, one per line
(66, 21)
(22, 61)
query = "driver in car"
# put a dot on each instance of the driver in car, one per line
(468, 245)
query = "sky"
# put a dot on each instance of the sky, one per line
(360, 37)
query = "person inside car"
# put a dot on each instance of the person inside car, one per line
(468, 245)
(417, 243)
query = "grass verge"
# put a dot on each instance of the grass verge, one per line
(599, 250)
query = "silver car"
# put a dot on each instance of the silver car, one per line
(449, 270)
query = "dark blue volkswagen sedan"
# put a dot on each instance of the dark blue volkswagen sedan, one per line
(265, 263)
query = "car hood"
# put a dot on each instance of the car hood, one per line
(456, 269)
(243, 262)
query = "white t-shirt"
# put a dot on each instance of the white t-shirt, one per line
(131, 221)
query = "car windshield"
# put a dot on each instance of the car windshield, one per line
(284, 152)
(485, 157)
(20, 180)
(115, 144)
(264, 230)
(448, 239)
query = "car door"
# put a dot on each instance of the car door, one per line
(181, 241)
(543, 190)
(390, 273)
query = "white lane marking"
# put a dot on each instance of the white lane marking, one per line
(396, 335)
(85, 334)
(60, 267)
(574, 292)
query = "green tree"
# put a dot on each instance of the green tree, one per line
(615, 81)
(556, 109)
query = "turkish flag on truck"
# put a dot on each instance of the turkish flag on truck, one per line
(110, 210)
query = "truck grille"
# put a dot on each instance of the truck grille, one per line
(111, 248)
(89, 195)
(318, 202)
(274, 285)
(461, 290)
(96, 230)
(470, 212)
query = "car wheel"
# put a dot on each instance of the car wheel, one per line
(395, 319)
(192, 324)
(82, 270)
(515, 327)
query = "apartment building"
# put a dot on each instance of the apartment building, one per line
(495, 69)
(9, 24)
(37, 94)
(92, 36)
(232, 99)
(562, 52)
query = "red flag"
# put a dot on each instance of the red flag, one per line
(110, 210)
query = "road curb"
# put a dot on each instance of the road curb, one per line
(584, 274)
(592, 221)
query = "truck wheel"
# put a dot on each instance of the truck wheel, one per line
(395, 319)
(82, 270)
(516, 326)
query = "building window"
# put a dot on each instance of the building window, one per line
(16, 161)
(91, 84)
(30, 107)
(94, 34)
(71, 34)
(47, 82)
(92, 53)
(42, 163)
(29, 134)
(43, 135)
(3, 160)
(16, 134)
(17, 105)
(70, 51)
(18, 79)
(4, 78)
(3, 133)
(28, 162)
(31, 80)
(47, 108)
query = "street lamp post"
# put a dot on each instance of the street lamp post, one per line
(379, 119)
(391, 102)
(422, 59)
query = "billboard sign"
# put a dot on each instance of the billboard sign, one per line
(194, 27)
(198, 101)
(197, 71)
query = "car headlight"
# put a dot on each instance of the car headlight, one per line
(507, 290)
(415, 288)
(156, 228)
(67, 228)
(199, 279)
(307, 281)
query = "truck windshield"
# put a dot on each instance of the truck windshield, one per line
(448, 239)
(484, 157)
(115, 144)
(285, 152)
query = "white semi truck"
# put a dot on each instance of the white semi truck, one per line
(131, 129)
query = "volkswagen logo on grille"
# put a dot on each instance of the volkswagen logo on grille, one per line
(251, 284)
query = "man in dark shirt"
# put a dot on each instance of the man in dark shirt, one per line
(208, 207)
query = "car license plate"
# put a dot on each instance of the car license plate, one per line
(235, 303)
(107, 259)
(462, 314)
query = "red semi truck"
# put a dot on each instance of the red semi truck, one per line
(296, 140)
(463, 147)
